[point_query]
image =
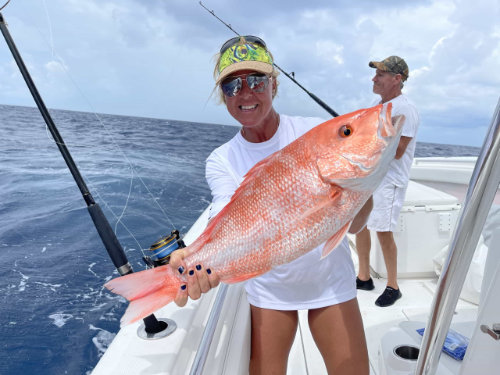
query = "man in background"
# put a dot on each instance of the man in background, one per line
(389, 196)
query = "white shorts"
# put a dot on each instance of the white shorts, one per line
(388, 200)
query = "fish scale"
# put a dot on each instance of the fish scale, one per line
(288, 204)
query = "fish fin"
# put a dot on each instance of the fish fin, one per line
(145, 306)
(258, 166)
(254, 171)
(146, 290)
(335, 240)
(325, 201)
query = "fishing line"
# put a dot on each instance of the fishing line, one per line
(51, 35)
(3, 6)
(101, 198)
(134, 173)
(56, 57)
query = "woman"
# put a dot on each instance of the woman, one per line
(247, 83)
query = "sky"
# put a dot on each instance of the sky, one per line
(155, 58)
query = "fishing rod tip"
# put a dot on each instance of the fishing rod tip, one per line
(3, 6)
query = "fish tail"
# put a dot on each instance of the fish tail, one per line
(147, 291)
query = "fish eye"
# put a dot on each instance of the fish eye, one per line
(345, 131)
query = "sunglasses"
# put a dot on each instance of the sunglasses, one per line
(257, 82)
(249, 38)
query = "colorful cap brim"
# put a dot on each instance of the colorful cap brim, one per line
(258, 66)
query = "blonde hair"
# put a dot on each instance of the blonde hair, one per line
(221, 98)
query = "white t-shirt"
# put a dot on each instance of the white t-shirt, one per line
(399, 169)
(308, 282)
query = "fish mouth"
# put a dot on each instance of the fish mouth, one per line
(362, 167)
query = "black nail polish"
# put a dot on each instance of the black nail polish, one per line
(191, 272)
(209, 271)
(183, 287)
(198, 267)
(181, 270)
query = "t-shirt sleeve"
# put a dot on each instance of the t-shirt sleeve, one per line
(221, 183)
(411, 122)
(402, 106)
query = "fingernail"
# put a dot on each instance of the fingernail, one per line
(191, 272)
(181, 270)
(209, 271)
(183, 287)
(198, 267)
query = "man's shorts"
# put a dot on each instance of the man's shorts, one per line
(387, 202)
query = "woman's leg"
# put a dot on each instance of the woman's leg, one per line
(340, 337)
(273, 332)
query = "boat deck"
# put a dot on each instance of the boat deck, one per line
(413, 306)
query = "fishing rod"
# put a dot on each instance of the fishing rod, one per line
(291, 76)
(108, 237)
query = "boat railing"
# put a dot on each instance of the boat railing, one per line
(480, 194)
(208, 333)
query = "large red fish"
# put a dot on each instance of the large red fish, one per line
(289, 203)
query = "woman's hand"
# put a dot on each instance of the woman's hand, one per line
(199, 279)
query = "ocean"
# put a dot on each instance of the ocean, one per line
(148, 177)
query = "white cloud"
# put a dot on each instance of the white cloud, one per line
(56, 66)
(155, 58)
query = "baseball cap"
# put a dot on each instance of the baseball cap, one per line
(392, 64)
(242, 53)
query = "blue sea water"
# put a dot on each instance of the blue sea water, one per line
(55, 317)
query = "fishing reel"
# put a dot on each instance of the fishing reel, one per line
(161, 250)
